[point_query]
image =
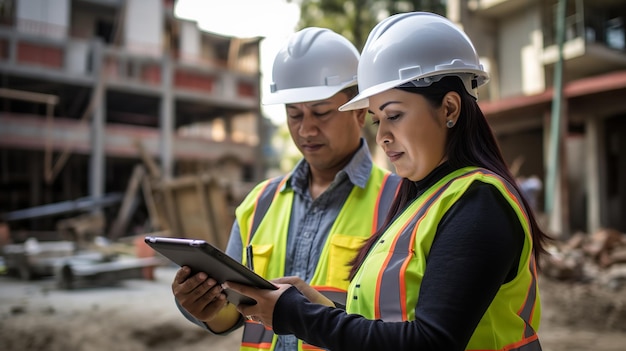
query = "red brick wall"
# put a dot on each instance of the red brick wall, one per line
(42, 55)
(246, 89)
(193, 81)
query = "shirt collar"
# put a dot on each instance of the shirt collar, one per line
(358, 170)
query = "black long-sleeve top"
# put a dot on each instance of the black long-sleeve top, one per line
(477, 248)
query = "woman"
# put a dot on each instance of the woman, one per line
(455, 266)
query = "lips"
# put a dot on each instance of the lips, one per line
(311, 147)
(393, 156)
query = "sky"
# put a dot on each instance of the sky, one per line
(274, 20)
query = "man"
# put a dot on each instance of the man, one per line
(311, 222)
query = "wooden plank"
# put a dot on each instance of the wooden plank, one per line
(129, 204)
(205, 210)
(221, 216)
(157, 216)
(172, 213)
(153, 169)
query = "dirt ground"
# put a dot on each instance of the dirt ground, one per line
(138, 315)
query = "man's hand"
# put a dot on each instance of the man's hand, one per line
(199, 294)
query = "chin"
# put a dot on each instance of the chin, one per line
(403, 173)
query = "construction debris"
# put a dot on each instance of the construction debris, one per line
(599, 257)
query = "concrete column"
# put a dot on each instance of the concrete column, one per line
(98, 122)
(555, 217)
(593, 176)
(167, 118)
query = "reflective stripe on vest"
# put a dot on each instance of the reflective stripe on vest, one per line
(400, 256)
(346, 236)
(257, 337)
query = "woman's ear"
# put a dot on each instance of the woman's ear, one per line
(452, 106)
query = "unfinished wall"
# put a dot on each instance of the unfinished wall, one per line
(144, 27)
(520, 42)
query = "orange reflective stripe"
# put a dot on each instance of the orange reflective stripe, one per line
(256, 335)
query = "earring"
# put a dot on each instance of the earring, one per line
(450, 123)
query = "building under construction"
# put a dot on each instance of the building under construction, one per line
(91, 88)
(556, 100)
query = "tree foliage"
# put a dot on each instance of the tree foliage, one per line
(355, 18)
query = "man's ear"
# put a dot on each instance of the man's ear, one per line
(360, 116)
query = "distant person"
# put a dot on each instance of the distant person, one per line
(311, 222)
(454, 267)
(531, 188)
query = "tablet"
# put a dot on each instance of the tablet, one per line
(201, 256)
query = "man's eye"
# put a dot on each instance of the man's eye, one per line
(320, 114)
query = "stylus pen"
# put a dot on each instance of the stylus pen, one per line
(249, 257)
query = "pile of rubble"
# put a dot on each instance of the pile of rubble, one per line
(599, 257)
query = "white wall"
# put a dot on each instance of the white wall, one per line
(520, 45)
(189, 41)
(43, 17)
(144, 27)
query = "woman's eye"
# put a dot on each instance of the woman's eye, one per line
(393, 117)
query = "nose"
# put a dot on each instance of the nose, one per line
(308, 125)
(383, 137)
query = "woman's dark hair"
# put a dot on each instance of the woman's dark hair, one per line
(470, 143)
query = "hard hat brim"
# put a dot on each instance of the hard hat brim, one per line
(362, 99)
(290, 96)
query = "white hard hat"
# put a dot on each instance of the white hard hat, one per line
(315, 64)
(415, 47)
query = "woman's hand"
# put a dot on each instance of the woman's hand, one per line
(306, 290)
(266, 299)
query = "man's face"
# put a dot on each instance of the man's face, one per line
(326, 137)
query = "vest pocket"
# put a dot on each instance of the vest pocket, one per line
(261, 258)
(343, 249)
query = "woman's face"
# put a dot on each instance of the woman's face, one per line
(411, 131)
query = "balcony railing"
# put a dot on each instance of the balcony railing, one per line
(594, 28)
(73, 60)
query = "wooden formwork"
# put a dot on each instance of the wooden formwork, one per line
(190, 207)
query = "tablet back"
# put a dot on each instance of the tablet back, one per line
(201, 256)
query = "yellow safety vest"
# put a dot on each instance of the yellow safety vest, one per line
(380, 289)
(263, 220)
